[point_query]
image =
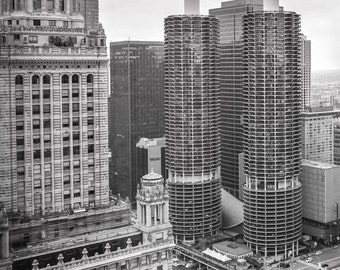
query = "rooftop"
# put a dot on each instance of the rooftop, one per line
(319, 165)
(232, 248)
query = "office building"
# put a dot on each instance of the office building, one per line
(337, 142)
(137, 107)
(318, 135)
(192, 125)
(231, 76)
(151, 156)
(272, 132)
(306, 55)
(321, 199)
(90, 10)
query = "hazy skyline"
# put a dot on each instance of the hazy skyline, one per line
(144, 20)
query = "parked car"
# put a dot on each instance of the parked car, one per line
(319, 252)
(309, 260)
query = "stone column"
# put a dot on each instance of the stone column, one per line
(160, 207)
(5, 244)
(56, 5)
(29, 6)
(67, 4)
(43, 6)
(139, 213)
(148, 215)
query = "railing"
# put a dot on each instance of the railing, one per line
(22, 28)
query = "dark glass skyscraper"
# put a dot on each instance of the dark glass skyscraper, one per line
(192, 125)
(231, 72)
(272, 100)
(136, 107)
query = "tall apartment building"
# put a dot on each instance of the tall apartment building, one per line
(336, 144)
(90, 10)
(272, 134)
(136, 107)
(318, 136)
(306, 54)
(231, 76)
(192, 124)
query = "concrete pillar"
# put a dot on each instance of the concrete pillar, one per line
(139, 213)
(166, 212)
(29, 6)
(161, 213)
(4, 244)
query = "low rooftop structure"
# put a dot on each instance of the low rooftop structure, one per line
(232, 250)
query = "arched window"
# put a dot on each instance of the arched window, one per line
(89, 78)
(61, 5)
(64, 79)
(46, 79)
(75, 78)
(19, 80)
(37, 4)
(35, 79)
(50, 5)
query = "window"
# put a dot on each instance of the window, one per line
(37, 183)
(90, 135)
(48, 197)
(90, 121)
(36, 169)
(35, 94)
(20, 125)
(66, 165)
(36, 123)
(46, 94)
(37, 4)
(36, 109)
(20, 141)
(9, 22)
(76, 164)
(89, 78)
(46, 79)
(65, 23)
(21, 171)
(90, 106)
(75, 107)
(65, 93)
(75, 121)
(33, 39)
(47, 169)
(47, 123)
(36, 139)
(65, 79)
(75, 78)
(46, 108)
(76, 150)
(48, 182)
(66, 122)
(75, 93)
(66, 151)
(35, 79)
(90, 148)
(66, 137)
(76, 193)
(19, 95)
(76, 179)
(19, 110)
(16, 37)
(91, 191)
(50, 5)
(90, 92)
(36, 154)
(67, 180)
(20, 156)
(36, 22)
(65, 108)
(47, 138)
(61, 5)
(47, 153)
(76, 136)
(19, 80)
(91, 162)
(67, 195)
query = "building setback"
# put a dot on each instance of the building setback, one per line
(136, 107)
(192, 125)
(272, 134)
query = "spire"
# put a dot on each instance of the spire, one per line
(192, 7)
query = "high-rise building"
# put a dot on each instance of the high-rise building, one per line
(192, 125)
(318, 135)
(272, 133)
(231, 76)
(136, 107)
(90, 10)
(53, 117)
(306, 72)
(336, 144)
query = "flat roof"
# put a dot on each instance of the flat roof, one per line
(319, 165)
(233, 248)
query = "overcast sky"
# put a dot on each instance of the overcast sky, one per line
(143, 20)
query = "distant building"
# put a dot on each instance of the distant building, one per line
(318, 136)
(306, 72)
(136, 107)
(151, 156)
(321, 200)
(90, 10)
(337, 142)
